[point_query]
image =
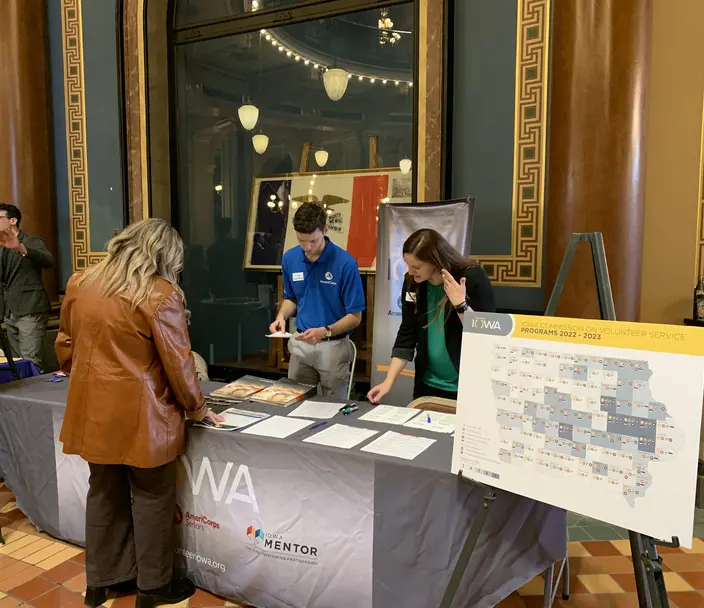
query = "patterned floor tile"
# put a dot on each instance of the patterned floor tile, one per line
(57, 598)
(687, 599)
(695, 579)
(599, 583)
(675, 582)
(32, 589)
(616, 564)
(600, 548)
(64, 572)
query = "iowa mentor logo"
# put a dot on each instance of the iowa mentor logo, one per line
(275, 546)
(256, 536)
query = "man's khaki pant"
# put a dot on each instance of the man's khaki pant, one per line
(326, 363)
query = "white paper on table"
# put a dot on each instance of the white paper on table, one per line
(439, 422)
(278, 426)
(234, 419)
(398, 445)
(341, 436)
(317, 409)
(389, 414)
(279, 334)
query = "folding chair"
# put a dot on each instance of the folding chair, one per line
(352, 368)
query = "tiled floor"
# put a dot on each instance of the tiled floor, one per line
(36, 570)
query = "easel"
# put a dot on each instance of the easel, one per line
(647, 565)
(469, 543)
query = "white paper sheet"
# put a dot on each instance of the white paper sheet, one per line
(433, 421)
(317, 409)
(398, 445)
(278, 426)
(279, 334)
(389, 414)
(235, 419)
(341, 436)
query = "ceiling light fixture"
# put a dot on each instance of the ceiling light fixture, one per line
(317, 66)
(321, 157)
(260, 143)
(335, 82)
(249, 114)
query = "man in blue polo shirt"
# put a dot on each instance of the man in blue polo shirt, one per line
(323, 288)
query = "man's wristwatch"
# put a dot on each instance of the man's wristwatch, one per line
(328, 333)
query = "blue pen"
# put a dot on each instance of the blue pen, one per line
(428, 418)
(315, 426)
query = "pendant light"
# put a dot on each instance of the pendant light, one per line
(249, 114)
(260, 143)
(335, 81)
(321, 157)
(405, 165)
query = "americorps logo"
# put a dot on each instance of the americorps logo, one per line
(197, 522)
(224, 485)
(275, 546)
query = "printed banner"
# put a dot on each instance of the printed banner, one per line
(598, 417)
(452, 219)
(238, 536)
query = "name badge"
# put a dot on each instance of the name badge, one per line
(297, 276)
(410, 297)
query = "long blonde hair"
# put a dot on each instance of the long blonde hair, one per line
(136, 257)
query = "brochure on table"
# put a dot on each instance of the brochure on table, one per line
(598, 417)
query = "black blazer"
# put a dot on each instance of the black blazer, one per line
(21, 289)
(412, 336)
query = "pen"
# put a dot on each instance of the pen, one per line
(428, 418)
(315, 426)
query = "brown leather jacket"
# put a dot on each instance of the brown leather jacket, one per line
(131, 376)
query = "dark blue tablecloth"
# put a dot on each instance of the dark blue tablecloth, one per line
(26, 369)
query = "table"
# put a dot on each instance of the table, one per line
(25, 368)
(278, 523)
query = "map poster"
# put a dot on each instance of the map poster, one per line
(598, 417)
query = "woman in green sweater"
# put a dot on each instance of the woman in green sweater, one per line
(441, 285)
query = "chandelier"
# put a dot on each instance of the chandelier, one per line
(386, 33)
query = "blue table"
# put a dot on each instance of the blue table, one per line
(25, 368)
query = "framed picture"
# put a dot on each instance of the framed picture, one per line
(350, 198)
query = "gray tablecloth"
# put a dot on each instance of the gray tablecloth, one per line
(282, 523)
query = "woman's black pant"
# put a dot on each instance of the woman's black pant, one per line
(129, 525)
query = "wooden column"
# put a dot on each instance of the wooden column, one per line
(26, 143)
(596, 177)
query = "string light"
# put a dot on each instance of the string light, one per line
(306, 61)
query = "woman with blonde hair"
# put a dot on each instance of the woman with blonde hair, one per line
(441, 285)
(123, 340)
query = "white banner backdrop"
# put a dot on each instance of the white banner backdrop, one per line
(453, 219)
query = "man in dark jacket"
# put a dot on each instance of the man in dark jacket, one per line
(25, 303)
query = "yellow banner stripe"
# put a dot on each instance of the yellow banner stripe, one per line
(618, 334)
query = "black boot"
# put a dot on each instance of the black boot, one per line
(97, 596)
(175, 592)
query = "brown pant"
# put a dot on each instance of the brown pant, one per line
(129, 525)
